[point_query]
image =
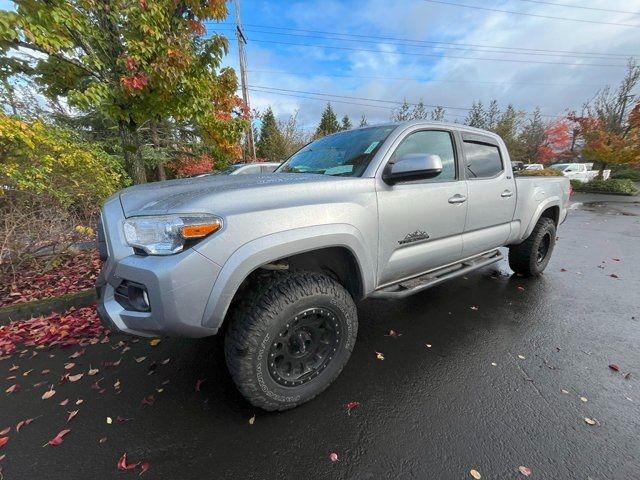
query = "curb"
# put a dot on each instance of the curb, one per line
(46, 306)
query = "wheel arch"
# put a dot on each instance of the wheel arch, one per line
(337, 250)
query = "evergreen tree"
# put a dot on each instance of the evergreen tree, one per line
(533, 137)
(271, 143)
(419, 112)
(508, 127)
(346, 123)
(363, 121)
(403, 113)
(492, 116)
(437, 114)
(328, 123)
(476, 116)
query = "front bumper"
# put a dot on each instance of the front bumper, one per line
(178, 286)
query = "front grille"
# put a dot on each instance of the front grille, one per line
(101, 242)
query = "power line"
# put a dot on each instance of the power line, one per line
(417, 43)
(447, 107)
(432, 42)
(580, 7)
(433, 55)
(372, 77)
(532, 14)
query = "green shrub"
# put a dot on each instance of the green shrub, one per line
(545, 172)
(616, 186)
(629, 174)
(576, 184)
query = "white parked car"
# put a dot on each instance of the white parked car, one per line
(534, 166)
(579, 171)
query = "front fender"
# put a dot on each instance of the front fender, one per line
(269, 248)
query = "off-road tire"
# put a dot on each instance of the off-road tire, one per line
(257, 321)
(524, 258)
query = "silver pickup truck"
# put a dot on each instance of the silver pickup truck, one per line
(279, 260)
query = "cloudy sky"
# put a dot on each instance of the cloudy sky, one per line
(359, 52)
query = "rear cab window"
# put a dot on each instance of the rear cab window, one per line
(483, 157)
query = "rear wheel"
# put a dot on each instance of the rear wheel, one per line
(531, 257)
(290, 339)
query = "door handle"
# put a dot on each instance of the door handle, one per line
(457, 198)
(506, 194)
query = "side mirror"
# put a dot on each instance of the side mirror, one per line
(413, 166)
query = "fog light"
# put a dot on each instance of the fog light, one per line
(145, 298)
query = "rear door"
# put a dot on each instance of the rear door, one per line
(421, 222)
(491, 194)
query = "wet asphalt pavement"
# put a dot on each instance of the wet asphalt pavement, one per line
(425, 413)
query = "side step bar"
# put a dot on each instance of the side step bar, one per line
(417, 284)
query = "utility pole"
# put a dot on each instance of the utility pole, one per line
(243, 79)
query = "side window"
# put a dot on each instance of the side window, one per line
(483, 161)
(430, 142)
(250, 169)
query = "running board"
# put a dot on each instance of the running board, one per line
(417, 284)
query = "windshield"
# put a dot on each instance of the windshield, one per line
(229, 170)
(346, 153)
(561, 166)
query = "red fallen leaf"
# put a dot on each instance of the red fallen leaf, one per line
(333, 456)
(614, 367)
(120, 419)
(123, 466)
(351, 405)
(520, 288)
(23, 423)
(393, 333)
(58, 439)
(69, 366)
(75, 378)
(524, 471)
(199, 383)
(613, 275)
(49, 393)
(72, 415)
(64, 402)
(144, 468)
(5, 431)
(45, 371)
(111, 364)
(77, 354)
(3, 441)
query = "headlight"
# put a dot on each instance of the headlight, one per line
(168, 234)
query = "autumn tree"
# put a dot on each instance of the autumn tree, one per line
(328, 123)
(270, 144)
(133, 62)
(556, 144)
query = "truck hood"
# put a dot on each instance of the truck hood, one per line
(221, 194)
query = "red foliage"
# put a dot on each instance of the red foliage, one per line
(130, 64)
(71, 328)
(557, 141)
(197, 27)
(75, 273)
(190, 166)
(134, 83)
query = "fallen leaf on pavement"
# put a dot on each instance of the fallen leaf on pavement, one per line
(627, 376)
(64, 402)
(584, 399)
(77, 354)
(379, 356)
(49, 393)
(123, 466)
(520, 288)
(5, 431)
(109, 420)
(563, 269)
(147, 401)
(58, 439)
(92, 371)
(615, 259)
(143, 468)
(165, 361)
(524, 471)
(252, 420)
(79, 401)
(351, 405)
(590, 421)
(23, 423)
(393, 333)
(155, 342)
(140, 359)
(474, 308)
(14, 368)
(102, 440)
(12, 388)
(521, 357)
(613, 275)
(3, 441)
(475, 474)
(120, 419)
(428, 345)
(614, 367)
(494, 364)
(69, 366)
(72, 415)
(333, 456)
(24, 374)
(564, 391)
(199, 383)
(75, 378)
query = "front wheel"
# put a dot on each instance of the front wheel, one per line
(531, 257)
(290, 339)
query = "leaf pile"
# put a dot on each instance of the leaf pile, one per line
(74, 273)
(67, 329)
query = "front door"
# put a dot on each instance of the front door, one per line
(491, 192)
(421, 222)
